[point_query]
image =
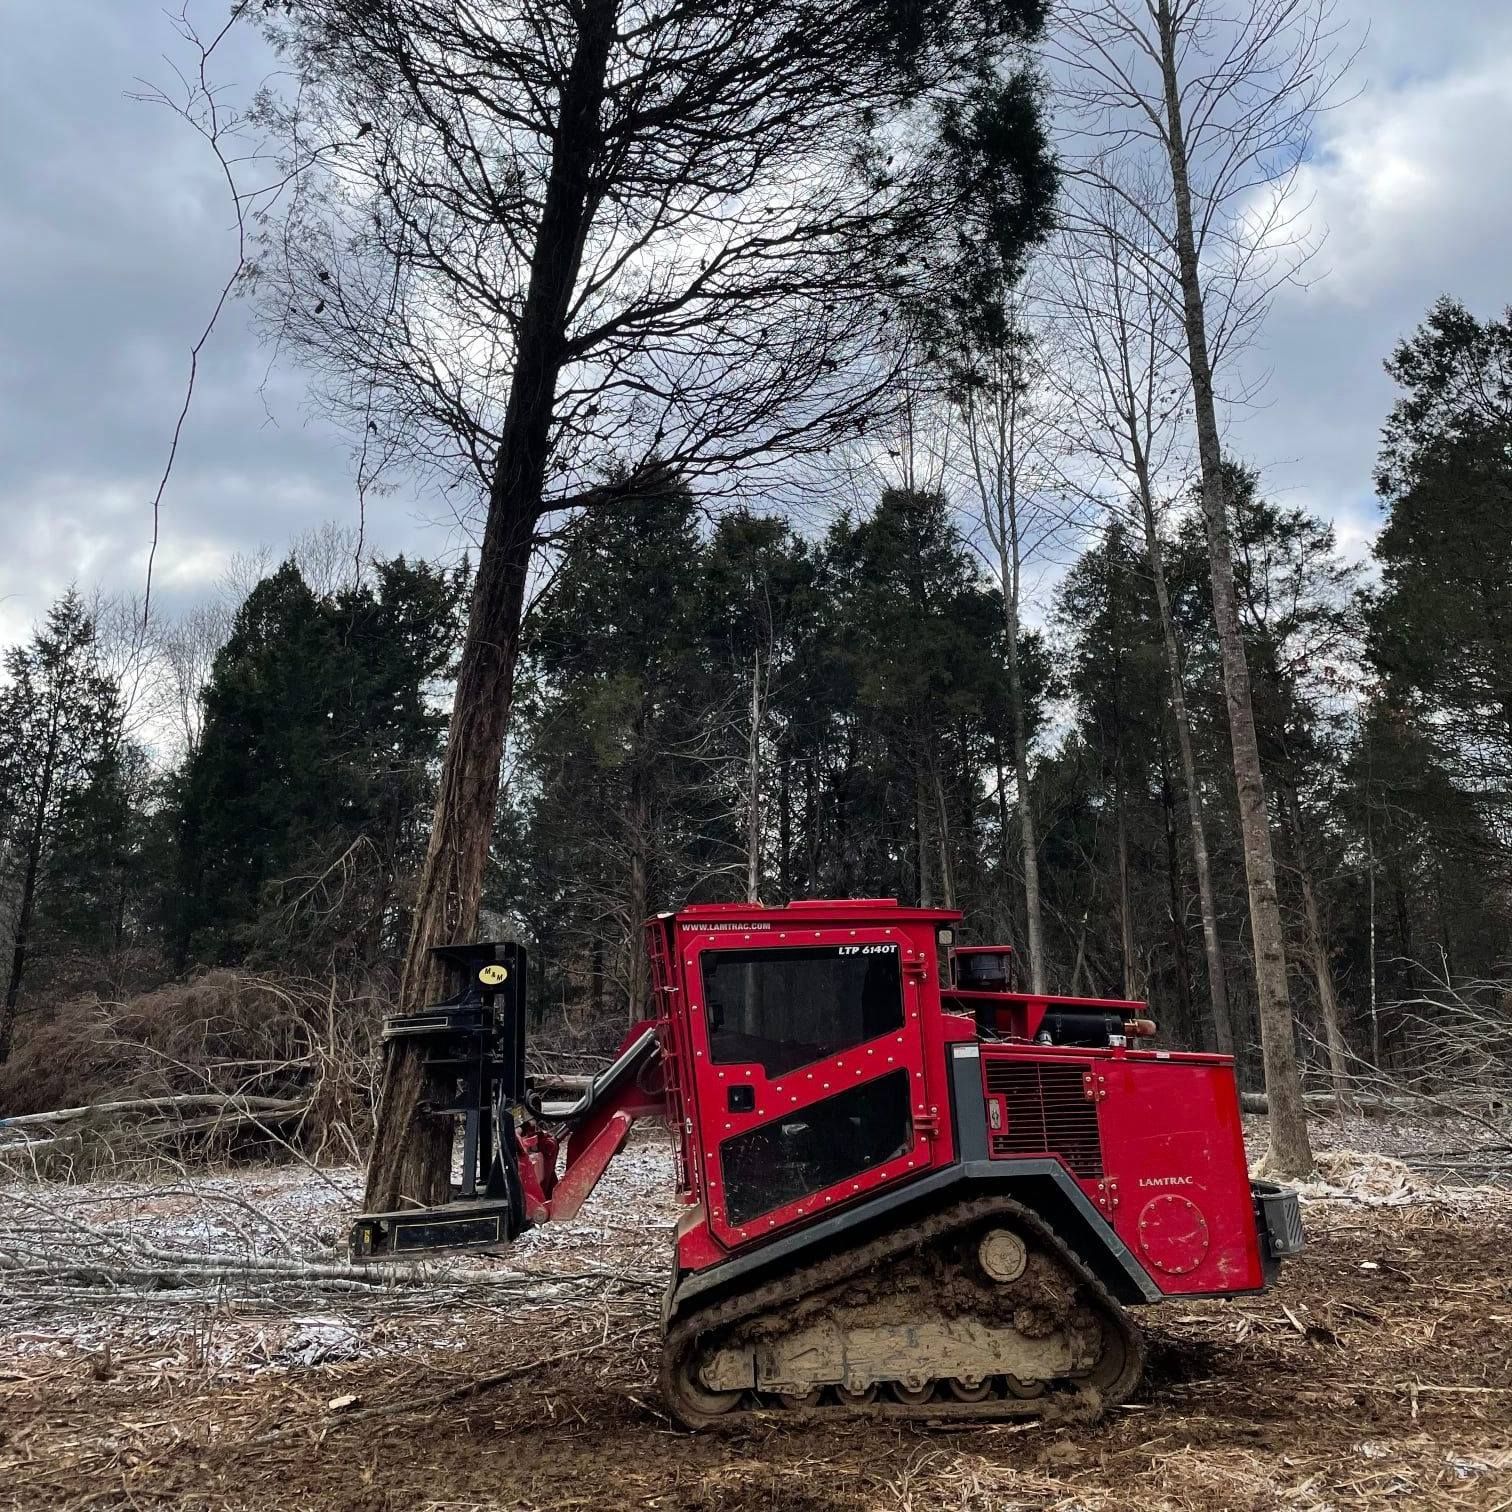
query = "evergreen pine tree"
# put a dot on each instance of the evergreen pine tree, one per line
(296, 810)
(61, 794)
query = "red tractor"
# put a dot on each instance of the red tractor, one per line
(909, 1190)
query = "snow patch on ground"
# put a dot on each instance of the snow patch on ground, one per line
(1395, 1162)
(67, 1291)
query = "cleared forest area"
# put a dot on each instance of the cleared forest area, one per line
(1375, 1376)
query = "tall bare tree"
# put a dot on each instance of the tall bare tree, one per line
(554, 247)
(1130, 409)
(1222, 96)
(1012, 426)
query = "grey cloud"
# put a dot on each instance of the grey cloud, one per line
(114, 237)
(114, 242)
(1413, 186)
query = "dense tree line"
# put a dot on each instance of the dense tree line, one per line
(712, 713)
(285, 835)
(745, 708)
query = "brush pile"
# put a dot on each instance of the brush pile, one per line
(225, 1063)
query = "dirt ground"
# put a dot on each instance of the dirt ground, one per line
(1378, 1373)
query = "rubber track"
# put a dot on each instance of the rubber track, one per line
(1083, 1403)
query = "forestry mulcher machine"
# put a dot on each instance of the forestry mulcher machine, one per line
(908, 1190)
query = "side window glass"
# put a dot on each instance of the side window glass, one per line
(782, 1009)
(817, 1147)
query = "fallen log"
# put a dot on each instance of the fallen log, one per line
(224, 1102)
(169, 1128)
(566, 1081)
(1325, 1102)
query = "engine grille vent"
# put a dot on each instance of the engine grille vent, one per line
(1048, 1113)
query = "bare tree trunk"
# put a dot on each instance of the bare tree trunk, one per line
(411, 1158)
(753, 791)
(26, 911)
(785, 829)
(1080, 966)
(1375, 1001)
(24, 916)
(1029, 840)
(1317, 941)
(921, 831)
(942, 814)
(1223, 1024)
(1290, 1152)
(1182, 957)
(1001, 435)
(1125, 907)
(1005, 844)
(811, 824)
(638, 905)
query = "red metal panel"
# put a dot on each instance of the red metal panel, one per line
(1168, 1127)
(917, 1047)
(1171, 1127)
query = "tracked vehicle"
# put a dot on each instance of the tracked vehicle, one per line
(909, 1190)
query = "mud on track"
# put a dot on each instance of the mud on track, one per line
(1378, 1373)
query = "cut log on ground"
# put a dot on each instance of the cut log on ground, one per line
(198, 1101)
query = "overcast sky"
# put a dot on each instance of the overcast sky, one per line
(115, 237)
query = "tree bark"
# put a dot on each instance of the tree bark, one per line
(1375, 1001)
(1223, 1024)
(921, 834)
(942, 812)
(1029, 840)
(753, 791)
(811, 825)
(1180, 954)
(1125, 906)
(997, 476)
(1317, 941)
(411, 1158)
(196, 1100)
(1080, 965)
(785, 830)
(1290, 1152)
(638, 902)
(22, 941)
(1005, 843)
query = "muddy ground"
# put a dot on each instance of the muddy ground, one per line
(1378, 1373)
